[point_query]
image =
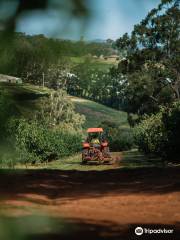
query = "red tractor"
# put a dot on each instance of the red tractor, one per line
(96, 148)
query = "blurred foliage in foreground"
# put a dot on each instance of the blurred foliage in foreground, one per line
(12, 11)
(32, 227)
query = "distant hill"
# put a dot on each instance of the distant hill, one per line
(96, 113)
(26, 98)
(97, 40)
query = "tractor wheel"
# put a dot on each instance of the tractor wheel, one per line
(106, 152)
(84, 154)
(100, 158)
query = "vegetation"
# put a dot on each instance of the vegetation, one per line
(35, 142)
(49, 124)
(149, 79)
(52, 131)
(120, 138)
(151, 67)
(40, 55)
(145, 83)
(114, 122)
(130, 87)
(159, 133)
(128, 159)
(97, 113)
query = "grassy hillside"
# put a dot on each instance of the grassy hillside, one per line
(98, 63)
(96, 113)
(26, 98)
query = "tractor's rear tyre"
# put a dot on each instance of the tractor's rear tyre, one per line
(84, 154)
(106, 152)
(100, 158)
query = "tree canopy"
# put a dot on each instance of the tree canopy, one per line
(151, 64)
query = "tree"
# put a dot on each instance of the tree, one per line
(57, 110)
(151, 64)
(159, 32)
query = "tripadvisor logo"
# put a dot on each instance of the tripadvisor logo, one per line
(139, 231)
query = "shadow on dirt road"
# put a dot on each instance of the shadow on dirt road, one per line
(106, 204)
(74, 184)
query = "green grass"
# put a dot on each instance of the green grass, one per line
(99, 64)
(96, 113)
(77, 60)
(128, 159)
(67, 163)
(26, 99)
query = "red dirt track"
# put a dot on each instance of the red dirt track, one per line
(106, 204)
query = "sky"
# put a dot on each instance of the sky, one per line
(108, 19)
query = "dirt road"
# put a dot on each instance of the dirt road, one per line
(95, 205)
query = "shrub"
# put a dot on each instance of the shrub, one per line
(58, 110)
(123, 141)
(120, 139)
(159, 133)
(37, 143)
(148, 134)
(171, 122)
(7, 110)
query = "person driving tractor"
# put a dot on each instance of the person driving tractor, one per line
(95, 139)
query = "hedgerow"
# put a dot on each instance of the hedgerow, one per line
(35, 142)
(159, 133)
(120, 139)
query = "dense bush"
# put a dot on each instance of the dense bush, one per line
(148, 134)
(7, 110)
(120, 139)
(171, 122)
(35, 142)
(159, 134)
(58, 110)
(53, 131)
